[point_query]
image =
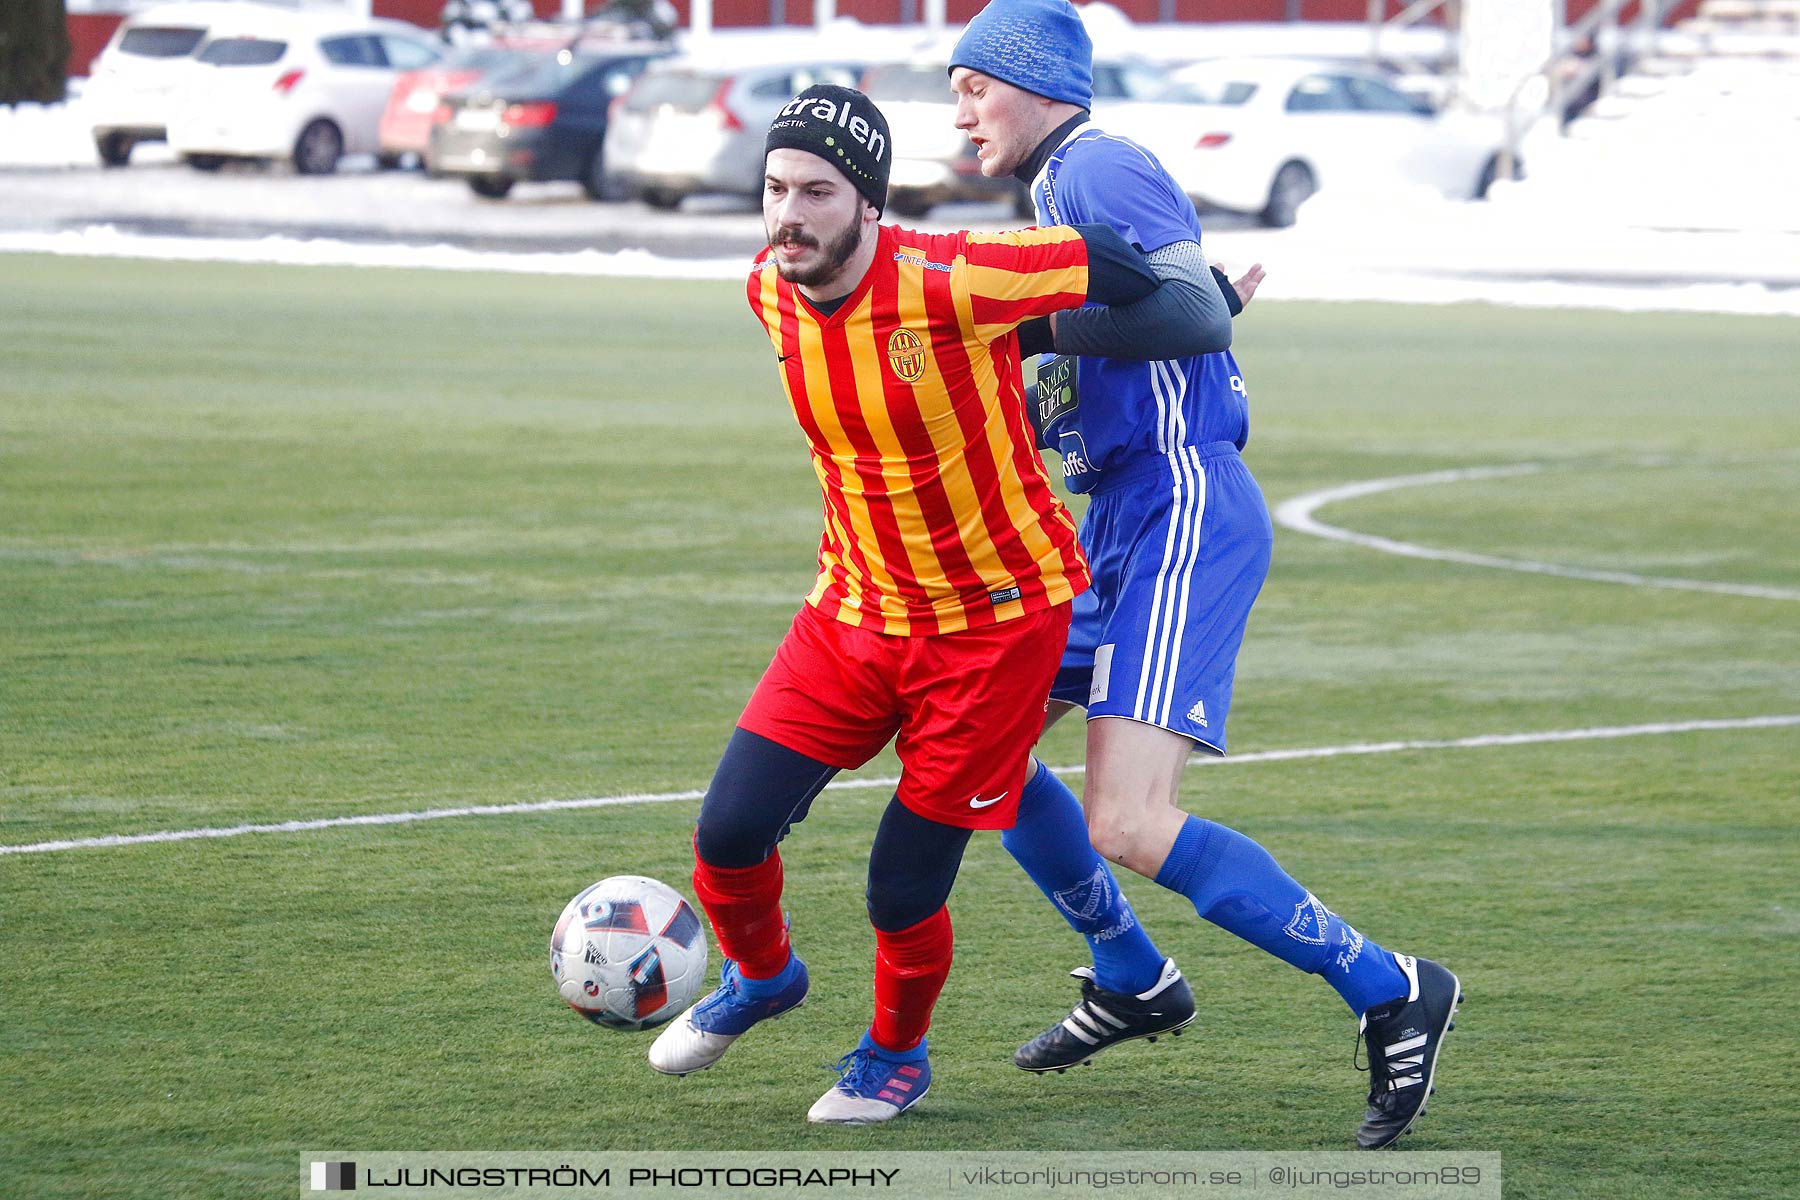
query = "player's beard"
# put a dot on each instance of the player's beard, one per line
(837, 252)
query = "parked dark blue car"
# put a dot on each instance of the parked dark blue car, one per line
(547, 121)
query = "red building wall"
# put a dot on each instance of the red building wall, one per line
(88, 32)
(88, 35)
(888, 12)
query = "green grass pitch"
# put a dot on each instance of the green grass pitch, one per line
(284, 543)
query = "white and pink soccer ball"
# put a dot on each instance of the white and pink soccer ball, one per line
(628, 953)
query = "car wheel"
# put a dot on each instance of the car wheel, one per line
(318, 148)
(1293, 184)
(491, 187)
(114, 149)
(663, 198)
(204, 162)
(390, 162)
(594, 182)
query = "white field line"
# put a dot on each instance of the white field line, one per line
(1297, 514)
(1599, 733)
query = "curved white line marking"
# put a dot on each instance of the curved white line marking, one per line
(1297, 514)
(497, 810)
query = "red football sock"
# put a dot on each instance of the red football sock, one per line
(910, 968)
(744, 906)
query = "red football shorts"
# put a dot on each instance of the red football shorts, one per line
(967, 706)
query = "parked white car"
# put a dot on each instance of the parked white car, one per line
(1265, 134)
(306, 86)
(688, 127)
(132, 82)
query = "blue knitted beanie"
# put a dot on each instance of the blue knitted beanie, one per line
(1039, 45)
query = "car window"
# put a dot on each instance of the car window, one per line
(407, 55)
(242, 52)
(520, 65)
(581, 74)
(620, 76)
(600, 80)
(485, 58)
(157, 41)
(771, 89)
(1216, 91)
(1321, 93)
(682, 91)
(1108, 83)
(584, 85)
(837, 73)
(353, 50)
(1143, 83)
(1374, 96)
(907, 81)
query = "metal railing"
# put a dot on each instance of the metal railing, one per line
(1380, 23)
(1567, 74)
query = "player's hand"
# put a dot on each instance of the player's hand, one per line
(1246, 284)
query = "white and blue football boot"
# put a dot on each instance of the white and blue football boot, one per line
(699, 1037)
(874, 1085)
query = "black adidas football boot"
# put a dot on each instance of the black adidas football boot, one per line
(1104, 1019)
(1404, 1038)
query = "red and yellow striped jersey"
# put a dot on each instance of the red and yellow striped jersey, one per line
(938, 513)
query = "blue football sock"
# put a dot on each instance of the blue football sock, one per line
(765, 989)
(1051, 842)
(1238, 886)
(917, 1054)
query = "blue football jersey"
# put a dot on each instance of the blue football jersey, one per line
(1121, 411)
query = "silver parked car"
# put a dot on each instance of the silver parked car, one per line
(934, 161)
(687, 129)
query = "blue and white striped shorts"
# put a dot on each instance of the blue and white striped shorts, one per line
(1179, 547)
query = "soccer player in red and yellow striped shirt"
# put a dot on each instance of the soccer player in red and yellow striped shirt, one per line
(946, 572)
(938, 514)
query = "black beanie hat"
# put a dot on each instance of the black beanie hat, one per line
(843, 127)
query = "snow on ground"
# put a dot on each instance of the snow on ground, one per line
(1297, 270)
(50, 135)
(106, 241)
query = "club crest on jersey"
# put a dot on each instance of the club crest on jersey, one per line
(1309, 922)
(906, 355)
(1084, 900)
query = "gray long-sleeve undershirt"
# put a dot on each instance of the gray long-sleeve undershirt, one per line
(1184, 317)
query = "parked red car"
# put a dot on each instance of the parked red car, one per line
(406, 122)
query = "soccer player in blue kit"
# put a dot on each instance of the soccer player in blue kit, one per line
(1178, 536)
